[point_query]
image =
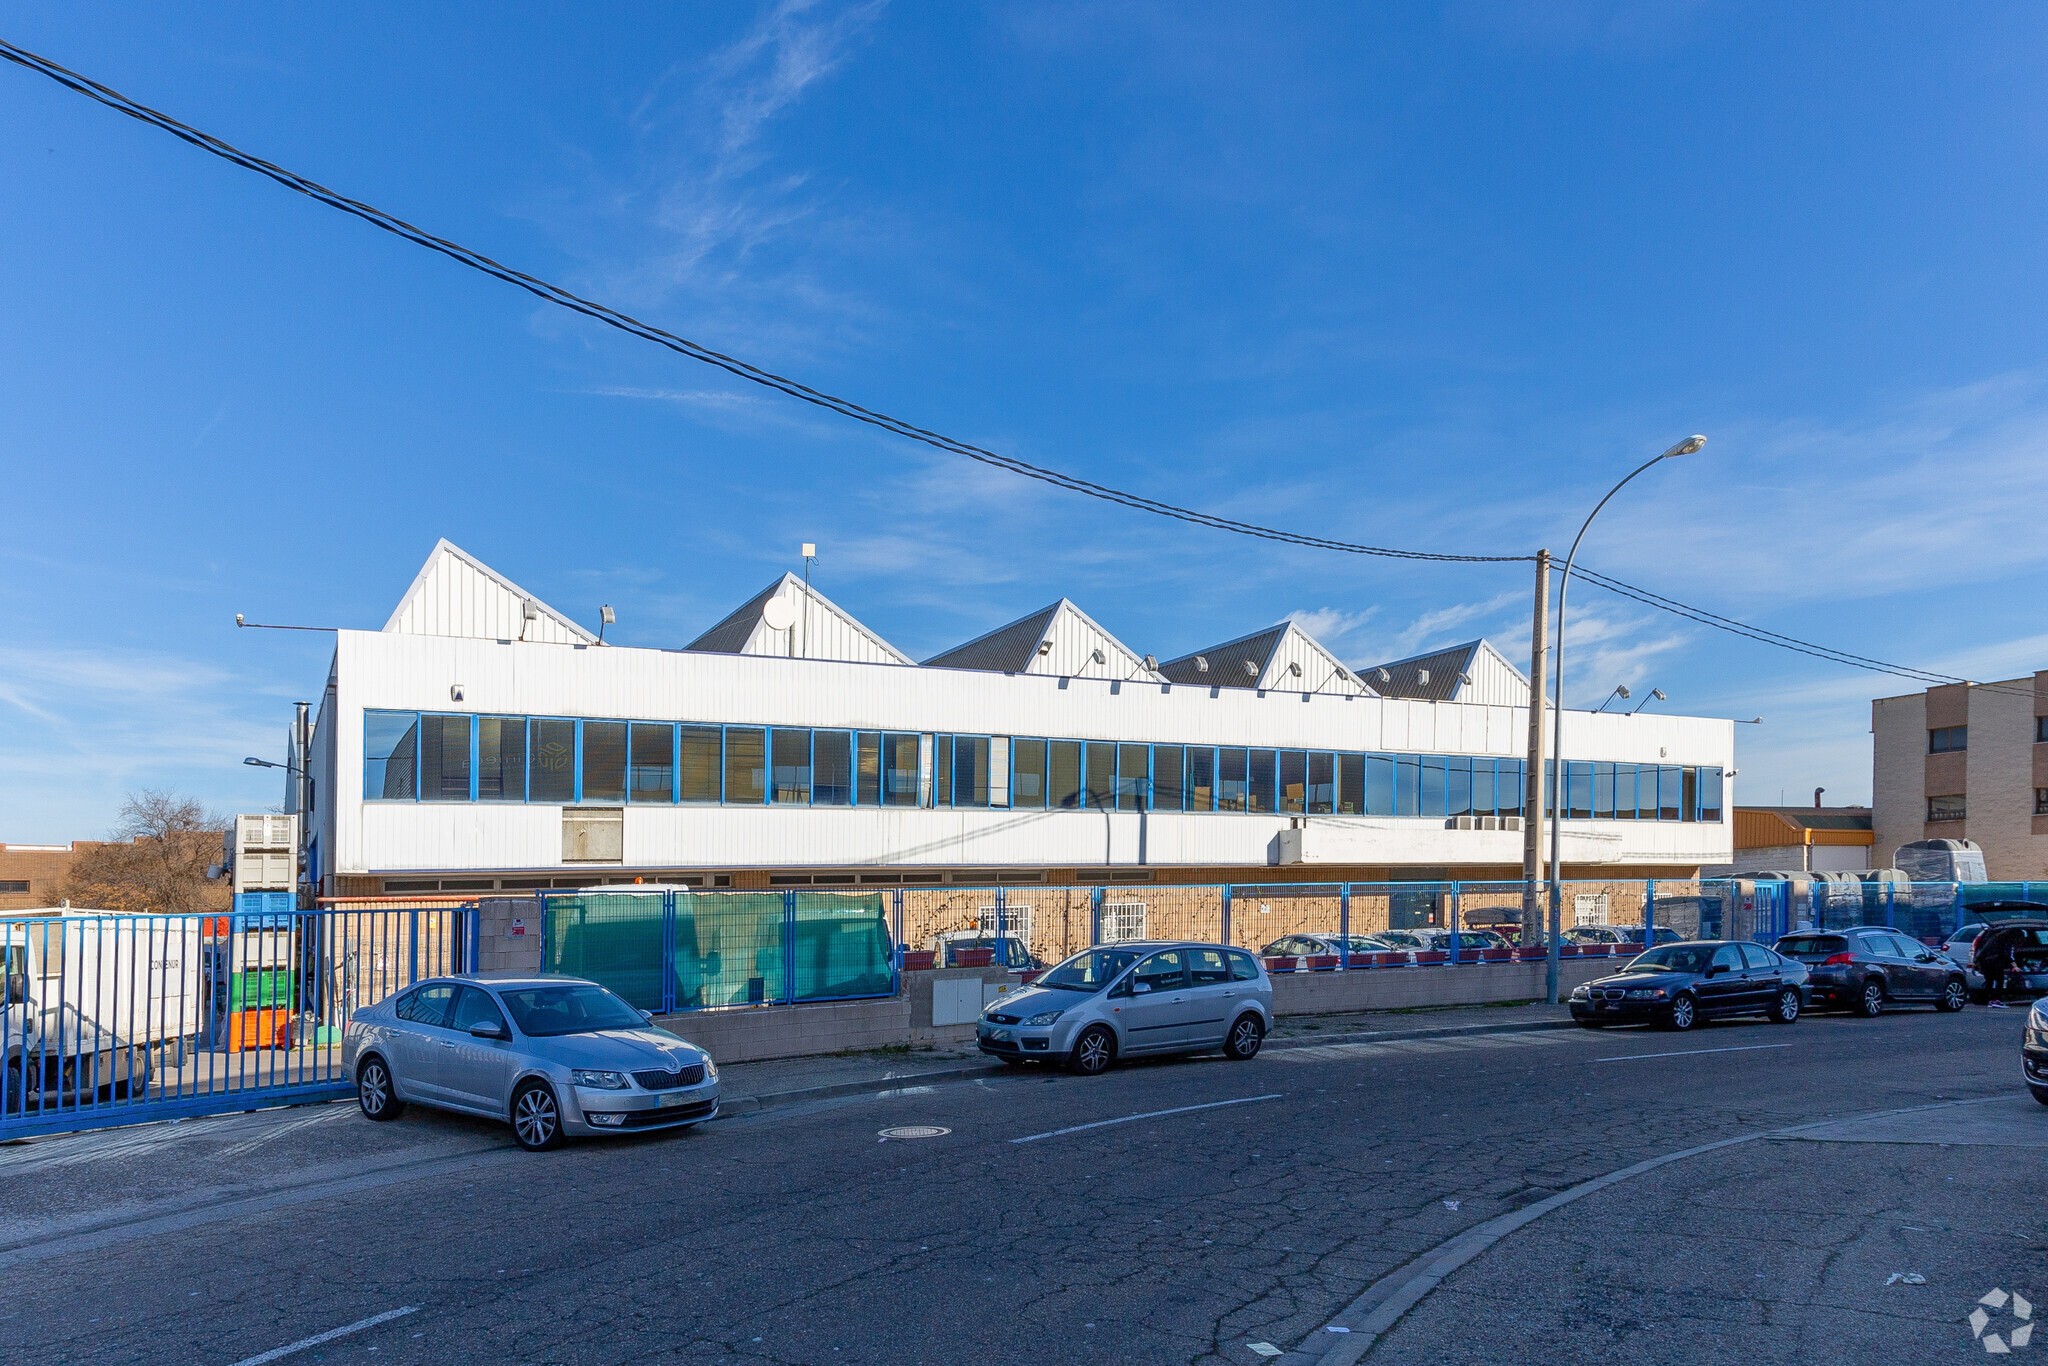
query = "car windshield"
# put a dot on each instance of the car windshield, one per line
(1672, 958)
(1090, 971)
(1813, 943)
(572, 1008)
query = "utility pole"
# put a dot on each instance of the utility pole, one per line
(1532, 789)
(810, 552)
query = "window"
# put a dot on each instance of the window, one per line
(702, 754)
(792, 766)
(444, 758)
(1432, 772)
(1160, 972)
(1063, 760)
(1265, 787)
(832, 768)
(654, 763)
(1243, 967)
(1759, 956)
(1689, 785)
(1670, 794)
(2041, 801)
(391, 744)
(1133, 777)
(1169, 778)
(1293, 780)
(429, 1005)
(13, 886)
(604, 762)
(1603, 792)
(1027, 773)
(869, 779)
(1351, 784)
(901, 773)
(970, 770)
(1233, 780)
(476, 1007)
(1322, 784)
(1457, 786)
(1202, 779)
(1949, 739)
(1100, 775)
(1710, 794)
(501, 758)
(1945, 808)
(1578, 789)
(746, 765)
(1407, 784)
(1728, 956)
(1207, 968)
(2041, 730)
(1380, 771)
(553, 750)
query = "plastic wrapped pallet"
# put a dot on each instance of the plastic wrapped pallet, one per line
(1941, 861)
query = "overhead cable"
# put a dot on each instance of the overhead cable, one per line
(754, 374)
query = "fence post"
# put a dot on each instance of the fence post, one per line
(412, 946)
(1889, 891)
(668, 953)
(896, 931)
(1956, 889)
(1226, 913)
(1001, 956)
(1094, 916)
(476, 930)
(1649, 920)
(789, 948)
(1344, 924)
(1456, 905)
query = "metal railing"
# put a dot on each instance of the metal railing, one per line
(117, 1019)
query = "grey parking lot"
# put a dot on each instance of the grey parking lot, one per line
(801, 1234)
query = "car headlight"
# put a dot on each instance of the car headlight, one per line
(603, 1081)
(1581, 993)
(710, 1069)
(1646, 993)
(1045, 1017)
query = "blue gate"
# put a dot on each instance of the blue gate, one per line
(121, 1019)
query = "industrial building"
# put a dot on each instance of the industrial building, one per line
(484, 741)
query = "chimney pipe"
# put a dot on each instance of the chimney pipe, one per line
(1816, 797)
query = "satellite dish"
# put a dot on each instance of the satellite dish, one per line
(779, 614)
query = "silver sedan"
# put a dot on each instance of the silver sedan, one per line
(555, 1057)
(1126, 1000)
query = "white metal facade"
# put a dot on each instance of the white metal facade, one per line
(395, 669)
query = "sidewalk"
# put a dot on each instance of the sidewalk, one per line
(751, 1086)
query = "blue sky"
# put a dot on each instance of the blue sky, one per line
(1429, 276)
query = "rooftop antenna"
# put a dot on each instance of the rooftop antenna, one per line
(529, 612)
(778, 615)
(810, 552)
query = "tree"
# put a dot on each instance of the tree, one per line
(155, 861)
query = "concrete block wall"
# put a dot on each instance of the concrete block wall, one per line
(1336, 993)
(498, 947)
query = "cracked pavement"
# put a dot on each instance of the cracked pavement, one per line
(799, 1236)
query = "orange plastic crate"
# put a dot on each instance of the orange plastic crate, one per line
(249, 1029)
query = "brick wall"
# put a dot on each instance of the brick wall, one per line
(43, 867)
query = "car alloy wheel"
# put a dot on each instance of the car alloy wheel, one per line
(374, 1093)
(1245, 1037)
(1955, 995)
(1872, 1004)
(1094, 1051)
(1786, 1010)
(536, 1120)
(1684, 1014)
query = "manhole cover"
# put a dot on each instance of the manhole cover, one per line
(915, 1131)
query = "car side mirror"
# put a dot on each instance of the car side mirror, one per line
(1716, 969)
(647, 1015)
(487, 1029)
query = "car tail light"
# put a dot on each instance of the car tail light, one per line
(1838, 958)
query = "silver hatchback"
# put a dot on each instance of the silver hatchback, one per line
(1128, 1000)
(555, 1057)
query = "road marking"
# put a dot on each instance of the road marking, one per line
(1692, 1052)
(248, 1145)
(330, 1335)
(1149, 1114)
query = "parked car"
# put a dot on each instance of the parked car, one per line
(1127, 1000)
(948, 945)
(2012, 952)
(1331, 945)
(1617, 934)
(1868, 967)
(1433, 940)
(1679, 985)
(2034, 1051)
(555, 1057)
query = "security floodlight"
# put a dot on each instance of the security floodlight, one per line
(1098, 656)
(1294, 669)
(605, 617)
(530, 610)
(1384, 676)
(1656, 695)
(238, 619)
(455, 692)
(1251, 670)
(1422, 677)
(1152, 663)
(1201, 664)
(1045, 647)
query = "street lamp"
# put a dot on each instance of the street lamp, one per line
(1621, 691)
(1689, 446)
(265, 763)
(1656, 695)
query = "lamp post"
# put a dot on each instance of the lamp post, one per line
(1558, 785)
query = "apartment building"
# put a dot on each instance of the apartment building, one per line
(1965, 761)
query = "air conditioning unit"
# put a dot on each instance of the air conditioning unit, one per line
(1464, 823)
(1511, 823)
(1489, 822)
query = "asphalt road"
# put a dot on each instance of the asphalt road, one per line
(801, 1236)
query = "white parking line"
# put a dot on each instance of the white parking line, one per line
(330, 1335)
(1130, 1119)
(1693, 1052)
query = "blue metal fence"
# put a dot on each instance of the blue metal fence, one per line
(118, 1019)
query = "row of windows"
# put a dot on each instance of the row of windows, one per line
(1948, 739)
(1956, 808)
(413, 756)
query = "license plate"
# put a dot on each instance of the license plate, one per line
(674, 1098)
(1610, 1005)
(1001, 1036)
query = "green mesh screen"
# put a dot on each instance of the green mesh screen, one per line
(612, 938)
(728, 949)
(842, 945)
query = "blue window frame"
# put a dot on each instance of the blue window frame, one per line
(391, 756)
(445, 753)
(651, 762)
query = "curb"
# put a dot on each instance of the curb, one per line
(774, 1100)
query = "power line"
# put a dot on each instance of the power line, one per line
(754, 374)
